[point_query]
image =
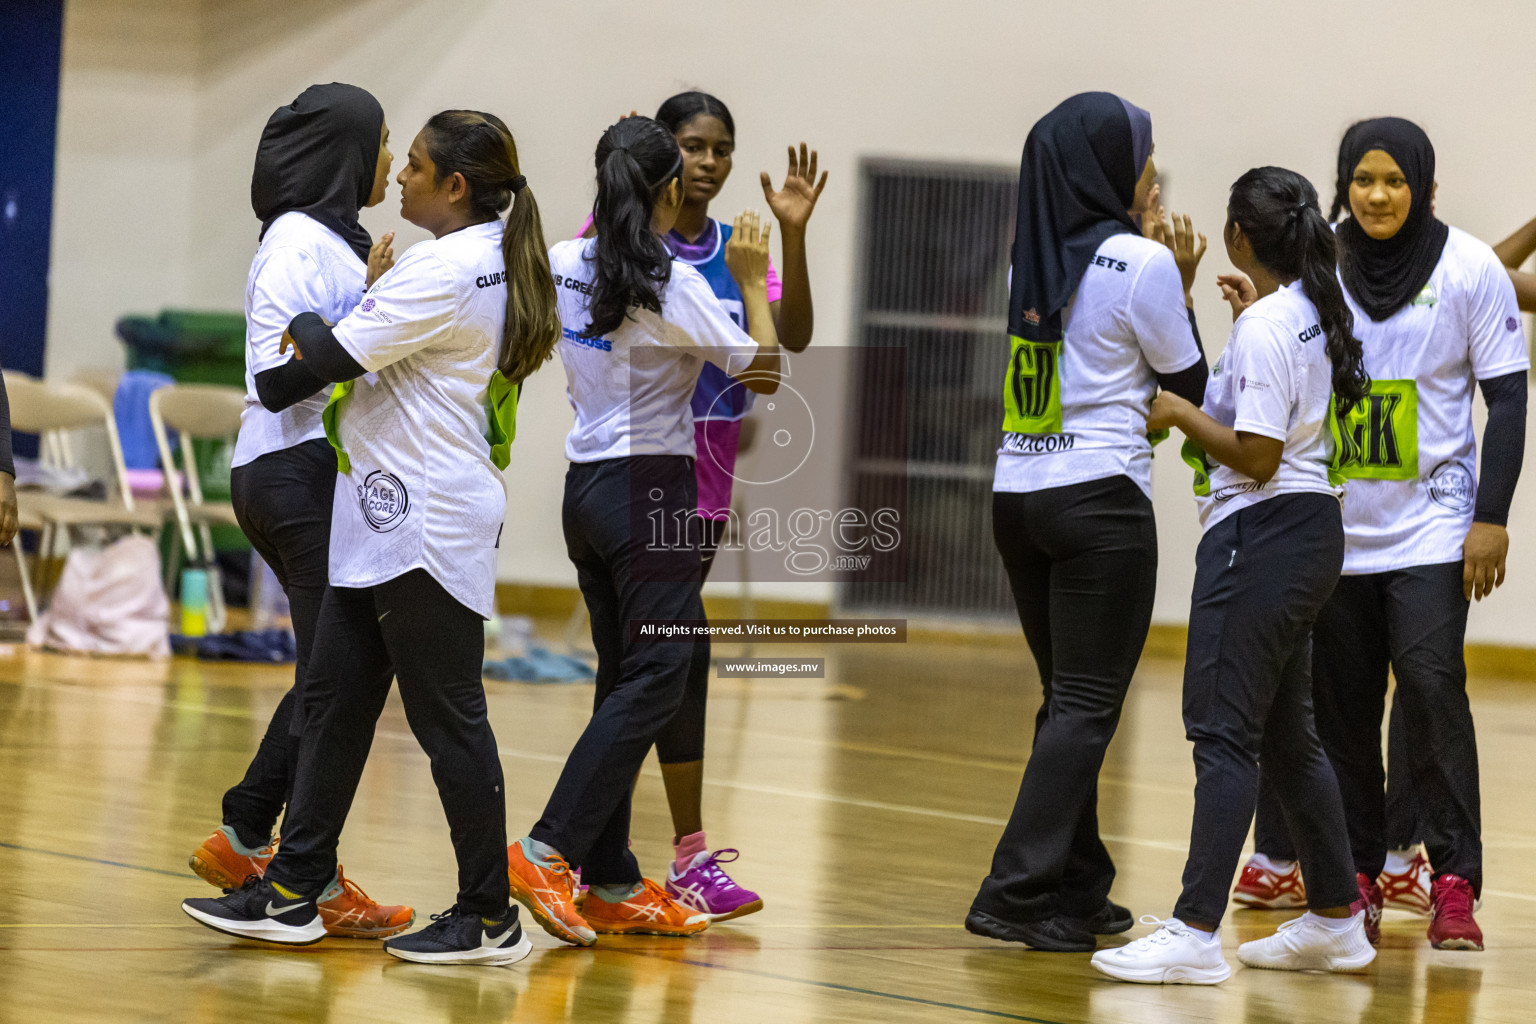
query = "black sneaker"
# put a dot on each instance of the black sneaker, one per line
(257, 910)
(1112, 919)
(1053, 934)
(459, 937)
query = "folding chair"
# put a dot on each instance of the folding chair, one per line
(51, 410)
(196, 412)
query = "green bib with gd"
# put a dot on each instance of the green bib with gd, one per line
(1379, 438)
(1032, 388)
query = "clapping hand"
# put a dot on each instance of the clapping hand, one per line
(746, 254)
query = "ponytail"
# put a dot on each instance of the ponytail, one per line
(637, 158)
(1319, 279)
(1278, 212)
(481, 148)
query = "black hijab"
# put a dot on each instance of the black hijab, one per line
(1384, 275)
(1081, 164)
(318, 156)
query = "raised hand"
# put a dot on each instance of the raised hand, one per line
(1238, 291)
(746, 254)
(1185, 252)
(1152, 224)
(381, 256)
(793, 205)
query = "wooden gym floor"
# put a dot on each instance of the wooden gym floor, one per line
(866, 806)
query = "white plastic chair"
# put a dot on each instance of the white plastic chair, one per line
(52, 409)
(196, 412)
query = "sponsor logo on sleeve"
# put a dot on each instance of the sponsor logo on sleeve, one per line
(383, 500)
(1511, 324)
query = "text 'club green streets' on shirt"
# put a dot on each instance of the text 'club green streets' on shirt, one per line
(301, 266)
(421, 490)
(1076, 410)
(1274, 379)
(1409, 454)
(632, 387)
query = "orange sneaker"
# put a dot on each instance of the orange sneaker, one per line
(651, 911)
(546, 892)
(218, 863)
(348, 912)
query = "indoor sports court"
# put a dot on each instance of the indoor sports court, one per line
(1044, 540)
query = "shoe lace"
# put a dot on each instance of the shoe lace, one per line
(352, 889)
(251, 882)
(1166, 930)
(560, 871)
(1452, 897)
(657, 893)
(712, 870)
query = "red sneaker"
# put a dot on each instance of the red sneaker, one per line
(1370, 902)
(1450, 916)
(1410, 889)
(219, 864)
(1261, 887)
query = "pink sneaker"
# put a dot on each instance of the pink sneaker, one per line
(706, 888)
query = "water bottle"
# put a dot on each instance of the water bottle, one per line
(194, 602)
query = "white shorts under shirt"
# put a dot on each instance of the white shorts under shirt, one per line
(1275, 380)
(1412, 485)
(422, 491)
(1126, 324)
(302, 266)
(632, 388)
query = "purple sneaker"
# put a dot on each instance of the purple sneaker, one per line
(706, 888)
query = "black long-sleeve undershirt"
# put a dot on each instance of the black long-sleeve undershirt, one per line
(287, 385)
(1503, 446)
(7, 464)
(324, 358)
(1189, 383)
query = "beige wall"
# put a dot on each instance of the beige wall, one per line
(163, 101)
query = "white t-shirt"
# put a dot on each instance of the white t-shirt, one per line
(422, 491)
(302, 266)
(631, 388)
(1410, 456)
(1275, 380)
(1126, 324)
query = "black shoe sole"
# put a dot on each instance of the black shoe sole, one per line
(1034, 934)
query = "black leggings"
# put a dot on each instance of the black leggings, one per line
(414, 630)
(1082, 563)
(681, 740)
(282, 501)
(1261, 576)
(607, 516)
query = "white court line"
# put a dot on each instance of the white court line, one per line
(878, 805)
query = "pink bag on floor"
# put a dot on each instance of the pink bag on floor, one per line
(108, 601)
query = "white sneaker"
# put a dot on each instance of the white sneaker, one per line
(1172, 955)
(1305, 944)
